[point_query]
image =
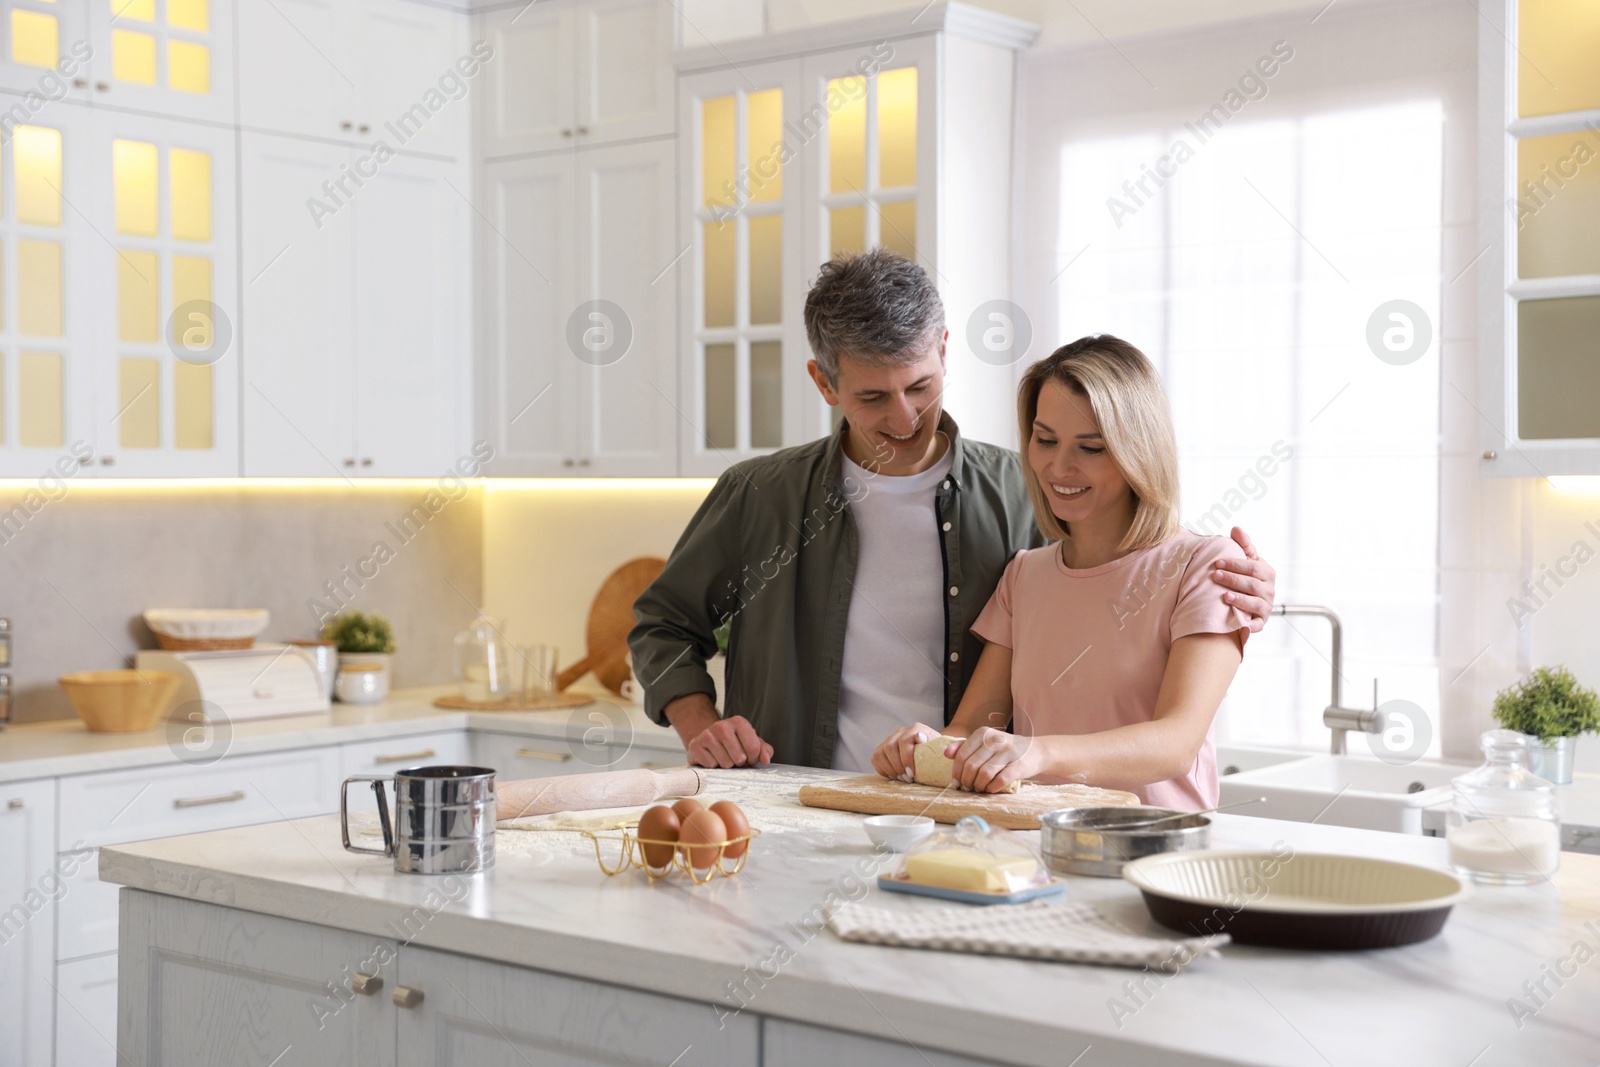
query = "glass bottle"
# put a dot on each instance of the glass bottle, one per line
(1504, 826)
(483, 662)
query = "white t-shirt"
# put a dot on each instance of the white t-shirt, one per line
(894, 638)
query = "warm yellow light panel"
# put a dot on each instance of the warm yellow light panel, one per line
(191, 194)
(35, 38)
(191, 405)
(40, 304)
(191, 279)
(717, 150)
(764, 121)
(1557, 41)
(133, 57)
(897, 127)
(188, 67)
(2, 303)
(189, 15)
(847, 134)
(720, 247)
(142, 10)
(138, 297)
(41, 417)
(720, 394)
(1557, 202)
(139, 403)
(38, 171)
(897, 228)
(847, 230)
(135, 175)
(766, 269)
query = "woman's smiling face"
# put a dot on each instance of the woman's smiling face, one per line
(1069, 457)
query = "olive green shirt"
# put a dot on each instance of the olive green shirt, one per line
(774, 548)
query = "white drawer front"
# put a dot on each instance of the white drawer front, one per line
(513, 756)
(86, 1013)
(390, 754)
(86, 918)
(165, 801)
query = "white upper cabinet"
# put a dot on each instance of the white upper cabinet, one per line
(576, 72)
(579, 312)
(1539, 281)
(167, 57)
(793, 152)
(359, 71)
(45, 49)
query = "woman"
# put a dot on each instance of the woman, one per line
(1109, 650)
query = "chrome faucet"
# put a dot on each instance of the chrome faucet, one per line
(1336, 717)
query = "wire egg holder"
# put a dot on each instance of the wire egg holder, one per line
(630, 849)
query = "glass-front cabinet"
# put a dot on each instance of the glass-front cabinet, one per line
(1540, 282)
(789, 160)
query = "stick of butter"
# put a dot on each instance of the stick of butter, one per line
(974, 872)
(930, 766)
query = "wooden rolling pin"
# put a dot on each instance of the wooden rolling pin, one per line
(601, 789)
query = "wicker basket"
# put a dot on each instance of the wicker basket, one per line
(206, 630)
(203, 644)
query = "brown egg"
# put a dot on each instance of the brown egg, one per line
(737, 826)
(660, 823)
(705, 829)
(686, 807)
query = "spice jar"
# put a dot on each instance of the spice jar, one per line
(1505, 822)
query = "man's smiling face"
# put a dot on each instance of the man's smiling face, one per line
(893, 411)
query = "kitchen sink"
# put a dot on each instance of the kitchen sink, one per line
(1343, 791)
(1235, 759)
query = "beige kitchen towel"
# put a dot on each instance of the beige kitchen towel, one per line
(1036, 930)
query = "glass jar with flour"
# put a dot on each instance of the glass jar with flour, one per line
(1505, 822)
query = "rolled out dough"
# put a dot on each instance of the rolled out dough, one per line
(932, 767)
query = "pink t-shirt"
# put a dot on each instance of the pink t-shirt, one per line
(1089, 647)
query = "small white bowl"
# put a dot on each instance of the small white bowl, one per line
(898, 832)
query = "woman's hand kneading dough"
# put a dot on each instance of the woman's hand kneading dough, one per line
(895, 757)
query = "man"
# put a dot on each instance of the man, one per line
(850, 569)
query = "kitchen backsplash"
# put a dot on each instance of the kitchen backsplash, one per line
(78, 572)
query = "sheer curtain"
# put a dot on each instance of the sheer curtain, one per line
(1251, 258)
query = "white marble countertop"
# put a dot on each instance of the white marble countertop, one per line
(546, 905)
(64, 747)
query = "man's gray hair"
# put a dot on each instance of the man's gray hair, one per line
(878, 307)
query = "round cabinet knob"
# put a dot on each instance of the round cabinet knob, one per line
(80, 83)
(566, 463)
(406, 997)
(349, 463)
(16, 804)
(346, 125)
(584, 462)
(106, 461)
(1491, 455)
(364, 128)
(366, 461)
(367, 984)
(566, 131)
(103, 87)
(583, 130)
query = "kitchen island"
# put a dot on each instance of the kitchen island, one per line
(271, 945)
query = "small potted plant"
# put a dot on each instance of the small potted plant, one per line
(1553, 709)
(366, 647)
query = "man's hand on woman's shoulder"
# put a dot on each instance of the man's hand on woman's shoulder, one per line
(1251, 582)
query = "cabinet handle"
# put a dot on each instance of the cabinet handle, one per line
(366, 461)
(349, 463)
(200, 802)
(533, 753)
(1490, 455)
(405, 757)
(345, 125)
(102, 86)
(584, 462)
(366, 984)
(80, 83)
(364, 128)
(16, 804)
(106, 461)
(406, 997)
(583, 130)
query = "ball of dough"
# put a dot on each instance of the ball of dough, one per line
(932, 767)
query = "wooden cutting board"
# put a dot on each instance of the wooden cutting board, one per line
(873, 794)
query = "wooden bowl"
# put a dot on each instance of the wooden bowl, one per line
(120, 702)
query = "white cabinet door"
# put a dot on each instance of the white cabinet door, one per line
(624, 71)
(170, 58)
(490, 1015)
(297, 338)
(791, 1044)
(86, 1012)
(413, 343)
(410, 94)
(167, 362)
(625, 350)
(297, 68)
(236, 987)
(46, 50)
(30, 887)
(530, 79)
(529, 400)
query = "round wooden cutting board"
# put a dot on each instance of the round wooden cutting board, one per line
(610, 619)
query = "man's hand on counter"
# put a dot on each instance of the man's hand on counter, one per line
(714, 741)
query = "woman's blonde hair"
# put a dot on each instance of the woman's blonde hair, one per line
(1125, 394)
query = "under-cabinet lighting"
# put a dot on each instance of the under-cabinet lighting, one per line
(1575, 484)
(491, 485)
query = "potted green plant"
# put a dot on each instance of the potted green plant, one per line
(366, 647)
(1553, 709)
